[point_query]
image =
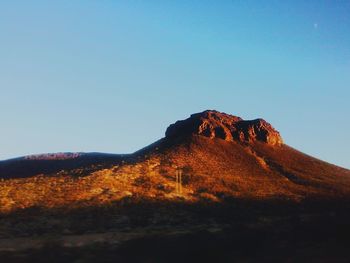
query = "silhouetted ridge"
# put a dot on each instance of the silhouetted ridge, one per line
(49, 163)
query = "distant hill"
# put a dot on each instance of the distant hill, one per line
(51, 163)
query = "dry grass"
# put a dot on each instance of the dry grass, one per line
(212, 170)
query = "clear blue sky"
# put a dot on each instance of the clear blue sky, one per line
(110, 76)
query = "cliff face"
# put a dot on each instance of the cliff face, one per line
(214, 124)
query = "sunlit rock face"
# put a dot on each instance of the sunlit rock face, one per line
(214, 124)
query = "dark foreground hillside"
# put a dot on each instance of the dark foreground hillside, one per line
(228, 232)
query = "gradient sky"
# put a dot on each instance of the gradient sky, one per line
(110, 76)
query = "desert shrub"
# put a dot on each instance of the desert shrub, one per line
(164, 188)
(143, 181)
(188, 175)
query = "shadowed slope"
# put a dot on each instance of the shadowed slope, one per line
(53, 163)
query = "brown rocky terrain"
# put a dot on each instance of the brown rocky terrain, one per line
(239, 182)
(214, 124)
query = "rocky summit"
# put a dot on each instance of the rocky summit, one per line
(214, 124)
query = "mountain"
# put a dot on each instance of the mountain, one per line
(214, 176)
(220, 156)
(51, 163)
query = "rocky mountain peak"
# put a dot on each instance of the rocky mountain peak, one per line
(214, 124)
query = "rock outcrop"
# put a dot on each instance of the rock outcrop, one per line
(214, 124)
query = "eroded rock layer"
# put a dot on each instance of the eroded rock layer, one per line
(214, 124)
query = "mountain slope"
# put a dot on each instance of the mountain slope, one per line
(32, 165)
(220, 156)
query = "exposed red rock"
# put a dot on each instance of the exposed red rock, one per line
(214, 124)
